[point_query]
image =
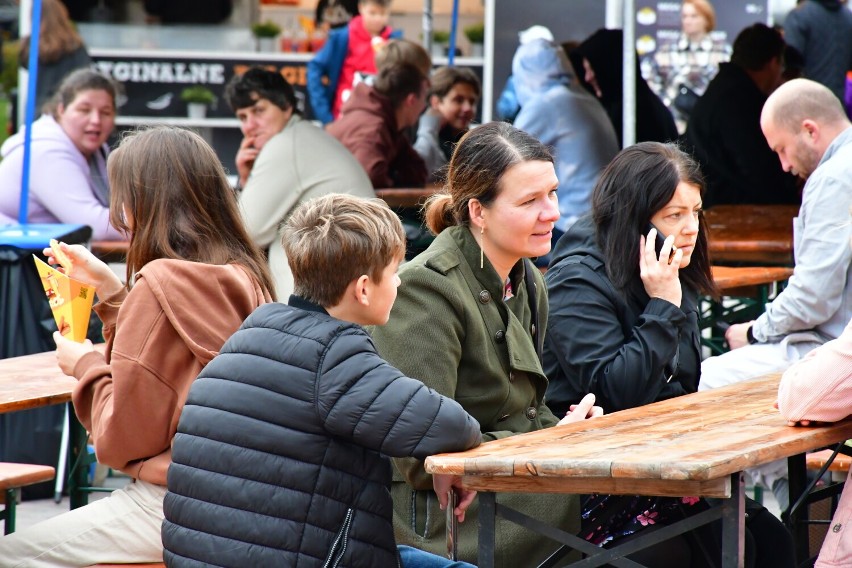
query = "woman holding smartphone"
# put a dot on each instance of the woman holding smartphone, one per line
(623, 294)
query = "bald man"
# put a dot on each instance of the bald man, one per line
(806, 126)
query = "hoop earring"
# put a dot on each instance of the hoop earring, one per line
(481, 245)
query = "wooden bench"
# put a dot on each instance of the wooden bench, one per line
(815, 460)
(13, 476)
(155, 565)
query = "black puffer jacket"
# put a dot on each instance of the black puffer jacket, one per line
(279, 459)
(623, 348)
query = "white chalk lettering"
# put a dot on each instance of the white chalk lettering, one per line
(163, 72)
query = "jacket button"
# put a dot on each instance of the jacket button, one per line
(500, 336)
(836, 528)
(484, 297)
(532, 413)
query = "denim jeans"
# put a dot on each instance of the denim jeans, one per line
(416, 558)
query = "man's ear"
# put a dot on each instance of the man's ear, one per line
(811, 129)
(362, 290)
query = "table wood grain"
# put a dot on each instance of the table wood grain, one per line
(761, 234)
(689, 445)
(728, 278)
(32, 381)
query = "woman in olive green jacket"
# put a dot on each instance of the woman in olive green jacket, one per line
(465, 322)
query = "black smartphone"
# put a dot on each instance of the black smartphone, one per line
(658, 245)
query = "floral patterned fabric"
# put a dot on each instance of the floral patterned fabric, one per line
(606, 518)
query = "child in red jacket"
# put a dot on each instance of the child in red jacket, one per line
(348, 55)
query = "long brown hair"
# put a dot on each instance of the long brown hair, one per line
(476, 167)
(57, 34)
(179, 204)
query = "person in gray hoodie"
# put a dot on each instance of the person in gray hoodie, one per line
(558, 111)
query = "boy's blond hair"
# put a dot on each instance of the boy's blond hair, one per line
(334, 239)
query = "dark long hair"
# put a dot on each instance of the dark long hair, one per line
(180, 205)
(476, 167)
(638, 182)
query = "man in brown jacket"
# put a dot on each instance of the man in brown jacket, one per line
(373, 121)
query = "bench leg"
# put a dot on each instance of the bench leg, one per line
(9, 512)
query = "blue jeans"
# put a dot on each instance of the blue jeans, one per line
(416, 558)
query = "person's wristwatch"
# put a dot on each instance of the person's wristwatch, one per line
(750, 335)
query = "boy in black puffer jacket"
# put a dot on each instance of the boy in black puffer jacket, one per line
(280, 456)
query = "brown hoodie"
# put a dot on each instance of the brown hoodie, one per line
(159, 336)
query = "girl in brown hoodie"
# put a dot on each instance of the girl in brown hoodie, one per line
(193, 276)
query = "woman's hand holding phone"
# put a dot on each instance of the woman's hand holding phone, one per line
(659, 269)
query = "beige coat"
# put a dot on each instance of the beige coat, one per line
(297, 164)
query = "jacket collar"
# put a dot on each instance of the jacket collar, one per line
(303, 304)
(486, 276)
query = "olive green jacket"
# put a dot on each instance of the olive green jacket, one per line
(451, 328)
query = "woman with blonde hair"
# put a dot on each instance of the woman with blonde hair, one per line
(193, 276)
(680, 71)
(60, 50)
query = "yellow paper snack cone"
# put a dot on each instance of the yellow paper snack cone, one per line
(70, 300)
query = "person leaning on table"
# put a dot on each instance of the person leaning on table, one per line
(624, 326)
(805, 124)
(283, 161)
(467, 321)
(68, 177)
(818, 388)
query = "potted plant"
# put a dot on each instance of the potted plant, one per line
(197, 99)
(265, 33)
(475, 34)
(440, 39)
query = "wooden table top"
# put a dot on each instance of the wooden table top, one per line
(689, 445)
(730, 277)
(751, 233)
(32, 381)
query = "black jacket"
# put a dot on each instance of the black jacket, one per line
(604, 50)
(279, 459)
(622, 348)
(724, 135)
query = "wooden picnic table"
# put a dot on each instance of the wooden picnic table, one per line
(33, 381)
(693, 445)
(110, 248)
(761, 234)
(729, 279)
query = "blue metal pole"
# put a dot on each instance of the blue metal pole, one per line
(454, 25)
(30, 111)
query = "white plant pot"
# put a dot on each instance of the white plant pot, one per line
(267, 44)
(476, 50)
(196, 110)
